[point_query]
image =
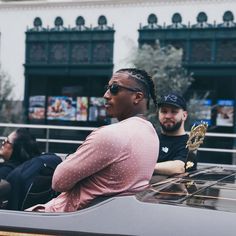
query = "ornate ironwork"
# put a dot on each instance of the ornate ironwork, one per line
(70, 46)
(58, 25)
(152, 22)
(58, 53)
(102, 24)
(80, 24)
(201, 43)
(202, 21)
(37, 53)
(79, 53)
(228, 19)
(38, 25)
(101, 53)
(177, 22)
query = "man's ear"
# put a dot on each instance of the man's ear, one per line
(185, 115)
(138, 97)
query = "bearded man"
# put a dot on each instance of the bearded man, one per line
(172, 114)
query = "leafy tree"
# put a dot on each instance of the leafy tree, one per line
(164, 64)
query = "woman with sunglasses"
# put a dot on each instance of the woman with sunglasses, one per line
(17, 148)
(116, 159)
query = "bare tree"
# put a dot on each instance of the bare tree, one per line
(10, 111)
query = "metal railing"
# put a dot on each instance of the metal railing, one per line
(47, 140)
(219, 135)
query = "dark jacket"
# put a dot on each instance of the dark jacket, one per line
(7, 167)
(22, 177)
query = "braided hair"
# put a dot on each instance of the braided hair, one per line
(144, 80)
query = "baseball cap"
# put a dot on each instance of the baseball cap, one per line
(174, 100)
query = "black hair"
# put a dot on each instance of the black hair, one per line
(25, 146)
(144, 80)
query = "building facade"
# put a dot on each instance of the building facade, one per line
(124, 15)
(45, 64)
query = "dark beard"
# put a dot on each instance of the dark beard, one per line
(171, 128)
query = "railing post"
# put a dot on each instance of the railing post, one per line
(47, 140)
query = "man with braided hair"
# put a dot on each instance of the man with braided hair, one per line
(145, 81)
(116, 159)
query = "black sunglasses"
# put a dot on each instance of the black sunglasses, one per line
(115, 88)
(6, 141)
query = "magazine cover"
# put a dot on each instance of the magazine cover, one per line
(225, 113)
(204, 114)
(201, 110)
(97, 111)
(82, 109)
(37, 107)
(61, 108)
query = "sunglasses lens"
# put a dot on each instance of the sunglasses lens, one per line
(6, 141)
(114, 89)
